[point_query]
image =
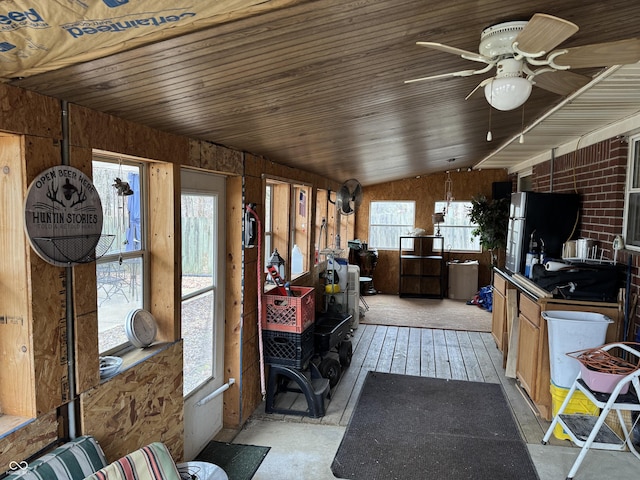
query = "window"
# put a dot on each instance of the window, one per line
(388, 221)
(632, 197)
(287, 214)
(322, 237)
(457, 227)
(525, 181)
(300, 231)
(121, 271)
(198, 287)
(268, 223)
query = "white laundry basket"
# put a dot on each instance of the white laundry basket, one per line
(569, 332)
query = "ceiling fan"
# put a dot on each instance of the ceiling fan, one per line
(523, 55)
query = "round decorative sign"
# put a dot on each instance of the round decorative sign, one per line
(63, 216)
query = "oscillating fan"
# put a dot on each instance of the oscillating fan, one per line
(349, 197)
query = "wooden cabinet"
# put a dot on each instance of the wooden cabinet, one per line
(504, 311)
(499, 328)
(499, 319)
(531, 350)
(422, 267)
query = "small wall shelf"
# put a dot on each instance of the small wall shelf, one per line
(422, 267)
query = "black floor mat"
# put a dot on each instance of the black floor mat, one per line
(240, 462)
(406, 427)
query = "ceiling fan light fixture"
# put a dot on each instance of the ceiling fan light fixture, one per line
(507, 93)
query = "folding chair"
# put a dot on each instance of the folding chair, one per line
(588, 431)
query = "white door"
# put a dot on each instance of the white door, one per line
(203, 245)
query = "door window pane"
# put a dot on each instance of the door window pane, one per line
(198, 288)
(197, 242)
(197, 334)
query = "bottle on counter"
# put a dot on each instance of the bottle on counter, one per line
(532, 256)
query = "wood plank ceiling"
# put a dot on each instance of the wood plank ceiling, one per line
(319, 85)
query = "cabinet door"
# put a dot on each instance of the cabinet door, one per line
(527, 367)
(498, 319)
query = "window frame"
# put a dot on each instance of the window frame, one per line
(409, 227)
(142, 253)
(439, 206)
(283, 237)
(300, 228)
(633, 170)
(268, 222)
(322, 223)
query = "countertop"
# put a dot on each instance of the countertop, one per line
(539, 294)
(524, 284)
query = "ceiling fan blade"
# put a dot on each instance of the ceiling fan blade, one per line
(543, 33)
(462, 73)
(467, 55)
(561, 82)
(601, 54)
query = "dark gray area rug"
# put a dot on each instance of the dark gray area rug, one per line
(406, 427)
(240, 462)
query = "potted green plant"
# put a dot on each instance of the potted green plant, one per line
(492, 218)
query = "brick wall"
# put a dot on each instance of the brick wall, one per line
(598, 174)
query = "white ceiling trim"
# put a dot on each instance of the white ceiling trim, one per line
(608, 106)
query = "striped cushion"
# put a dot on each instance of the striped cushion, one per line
(152, 462)
(75, 459)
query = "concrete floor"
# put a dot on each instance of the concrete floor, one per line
(305, 451)
(304, 448)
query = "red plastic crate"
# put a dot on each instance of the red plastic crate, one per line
(289, 314)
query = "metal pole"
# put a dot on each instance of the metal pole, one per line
(71, 371)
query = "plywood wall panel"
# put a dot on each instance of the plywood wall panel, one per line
(253, 193)
(87, 355)
(93, 129)
(254, 165)
(250, 339)
(193, 156)
(214, 158)
(140, 405)
(85, 299)
(250, 287)
(48, 298)
(425, 191)
(48, 289)
(218, 158)
(28, 440)
(19, 108)
(229, 160)
(251, 395)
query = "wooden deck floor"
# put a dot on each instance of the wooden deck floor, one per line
(459, 355)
